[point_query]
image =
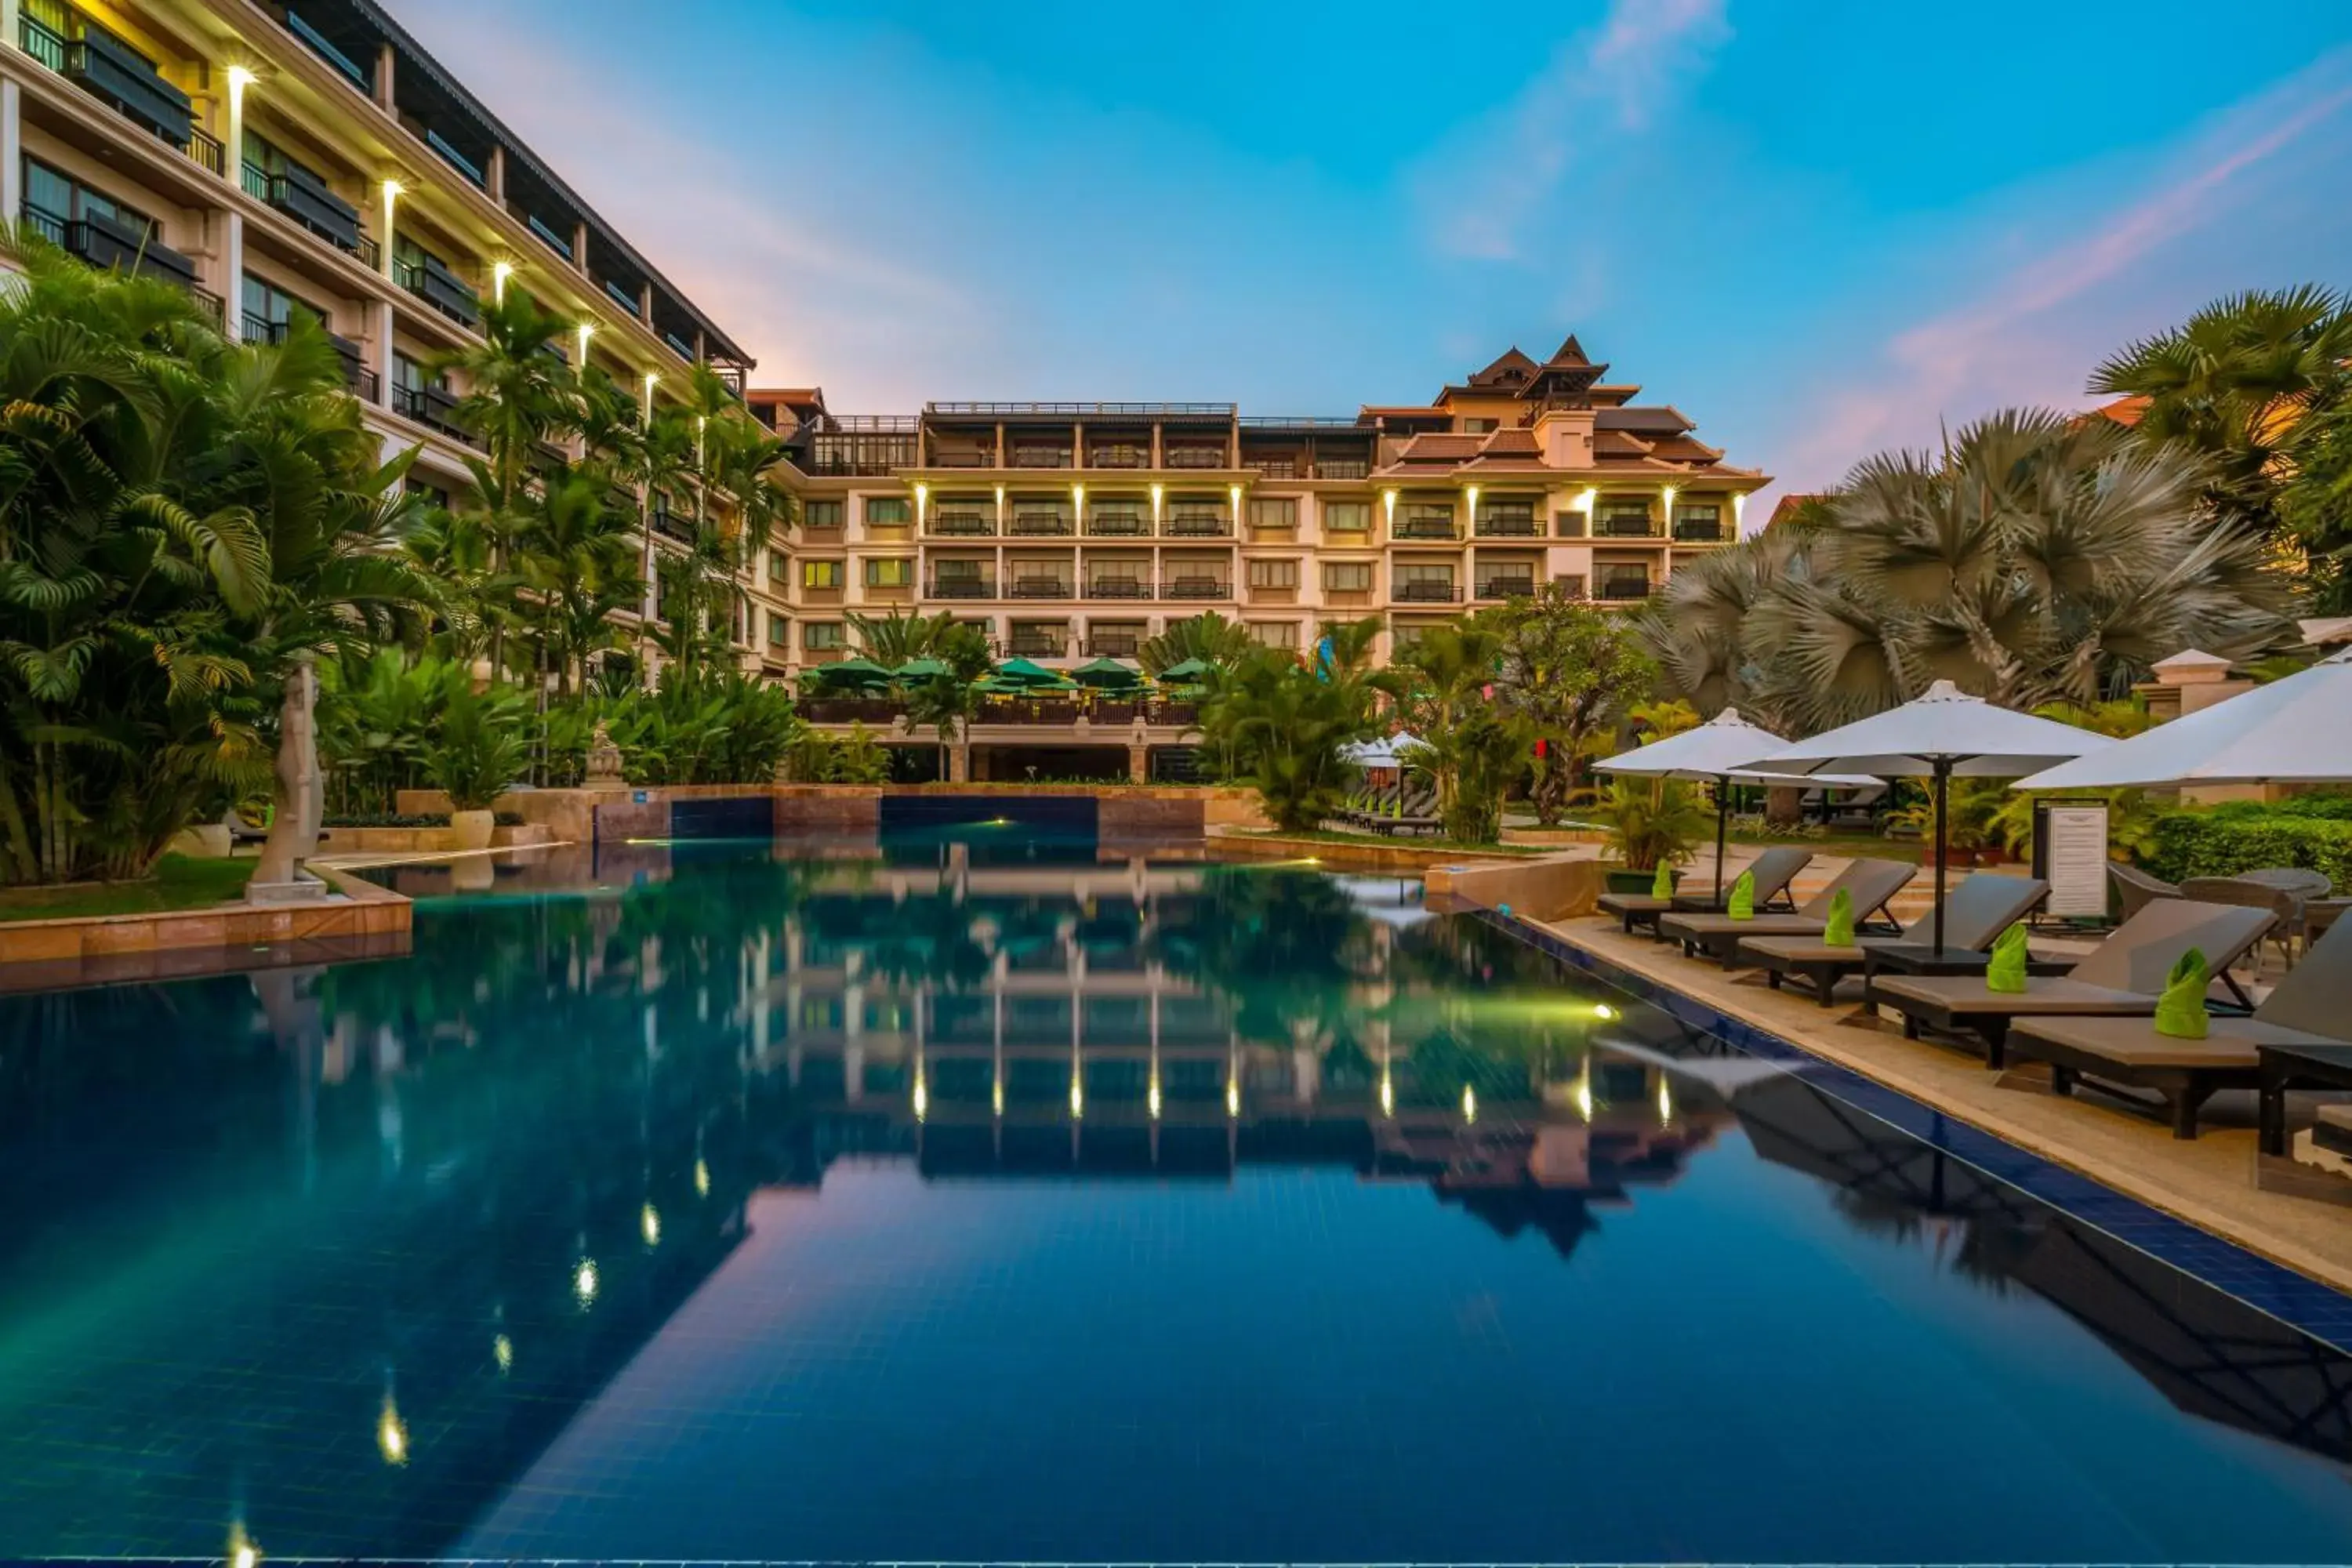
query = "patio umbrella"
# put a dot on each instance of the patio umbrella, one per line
(921, 670)
(1030, 674)
(1108, 672)
(853, 672)
(1939, 735)
(1717, 753)
(1178, 673)
(1387, 754)
(2293, 730)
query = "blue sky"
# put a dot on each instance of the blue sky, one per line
(1819, 228)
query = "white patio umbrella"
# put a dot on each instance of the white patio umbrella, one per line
(1941, 735)
(1388, 753)
(2296, 731)
(1716, 752)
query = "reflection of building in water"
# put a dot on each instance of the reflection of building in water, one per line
(2210, 1353)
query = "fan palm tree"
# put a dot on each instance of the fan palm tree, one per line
(1207, 636)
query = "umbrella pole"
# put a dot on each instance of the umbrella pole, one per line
(1722, 821)
(1943, 789)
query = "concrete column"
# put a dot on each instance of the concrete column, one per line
(10, 39)
(388, 196)
(233, 134)
(646, 302)
(959, 763)
(11, 132)
(382, 313)
(386, 62)
(1139, 764)
(233, 274)
(580, 245)
(494, 173)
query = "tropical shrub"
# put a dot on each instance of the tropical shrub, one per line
(1207, 636)
(1280, 727)
(2223, 843)
(1660, 820)
(1475, 746)
(1573, 672)
(710, 726)
(481, 747)
(855, 758)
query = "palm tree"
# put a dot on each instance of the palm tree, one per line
(1473, 747)
(2037, 558)
(1207, 636)
(1284, 726)
(579, 561)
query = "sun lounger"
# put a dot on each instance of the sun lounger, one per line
(1774, 870)
(2120, 980)
(1984, 905)
(1871, 883)
(2311, 1006)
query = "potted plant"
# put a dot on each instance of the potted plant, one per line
(1650, 824)
(474, 760)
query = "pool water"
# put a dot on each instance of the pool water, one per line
(974, 1196)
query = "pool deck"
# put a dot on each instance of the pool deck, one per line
(2208, 1182)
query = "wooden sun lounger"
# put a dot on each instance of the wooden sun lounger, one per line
(1870, 882)
(2312, 1006)
(1775, 871)
(2120, 980)
(1984, 905)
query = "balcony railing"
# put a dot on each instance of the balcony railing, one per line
(1698, 532)
(1120, 587)
(1194, 458)
(961, 588)
(1037, 644)
(1513, 588)
(1082, 410)
(559, 243)
(1118, 525)
(1197, 525)
(1625, 525)
(1041, 525)
(962, 525)
(431, 281)
(1342, 468)
(1042, 587)
(1507, 525)
(1272, 468)
(1118, 457)
(435, 407)
(1114, 644)
(456, 159)
(1621, 589)
(205, 152)
(107, 241)
(1427, 525)
(304, 196)
(1196, 588)
(1426, 591)
(1041, 456)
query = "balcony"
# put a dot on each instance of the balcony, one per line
(107, 241)
(303, 196)
(1183, 524)
(1701, 530)
(114, 73)
(1119, 455)
(1196, 456)
(668, 522)
(962, 458)
(435, 407)
(1625, 525)
(1624, 589)
(1343, 469)
(1429, 524)
(1272, 468)
(1118, 525)
(626, 300)
(431, 281)
(961, 588)
(1519, 585)
(1042, 585)
(559, 243)
(962, 525)
(1119, 587)
(1203, 586)
(1041, 456)
(1426, 591)
(1114, 644)
(1041, 525)
(1038, 645)
(456, 159)
(876, 712)
(1515, 524)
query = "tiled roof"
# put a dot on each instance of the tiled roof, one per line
(1515, 441)
(1432, 447)
(1652, 420)
(1618, 443)
(1685, 449)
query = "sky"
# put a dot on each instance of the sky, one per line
(1821, 229)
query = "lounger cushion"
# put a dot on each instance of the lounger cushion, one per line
(2133, 1043)
(1963, 995)
(1699, 925)
(1632, 904)
(1807, 950)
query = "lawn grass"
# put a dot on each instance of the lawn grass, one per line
(181, 882)
(1410, 841)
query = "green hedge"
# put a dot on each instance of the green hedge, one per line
(2224, 842)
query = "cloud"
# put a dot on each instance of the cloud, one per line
(2033, 335)
(1481, 189)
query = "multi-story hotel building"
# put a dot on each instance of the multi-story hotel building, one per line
(1075, 530)
(275, 158)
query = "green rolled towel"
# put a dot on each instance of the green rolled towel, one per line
(2006, 973)
(1662, 885)
(1742, 906)
(1838, 932)
(2180, 1011)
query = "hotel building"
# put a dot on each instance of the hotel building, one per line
(275, 158)
(1070, 530)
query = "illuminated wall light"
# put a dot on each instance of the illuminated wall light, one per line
(392, 1434)
(1234, 493)
(702, 1179)
(502, 1352)
(499, 272)
(1472, 491)
(1585, 500)
(1667, 493)
(649, 1224)
(653, 379)
(923, 496)
(585, 1281)
(583, 331)
(1739, 512)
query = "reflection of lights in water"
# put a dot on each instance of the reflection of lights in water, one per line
(243, 1552)
(701, 1178)
(1665, 1100)
(392, 1434)
(502, 1352)
(1584, 1095)
(1603, 1011)
(996, 1097)
(1469, 1103)
(922, 1099)
(1233, 1096)
(649, 1224)
(1077, 1096)
(1387, 1093)
(1152, 1099)
(1000, 822)
(583, 1280)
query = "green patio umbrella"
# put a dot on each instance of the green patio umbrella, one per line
(853, 672)
(1030, 675)
(1108, 673)
(920, 669)
(1187, 670)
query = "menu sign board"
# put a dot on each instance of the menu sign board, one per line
(2069, 852)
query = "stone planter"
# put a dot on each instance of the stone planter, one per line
(1622, 880)
(473, 829)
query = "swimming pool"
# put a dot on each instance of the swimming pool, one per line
(985, 1196)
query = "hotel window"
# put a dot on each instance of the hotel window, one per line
(820, 573)
(1274, 511)
(821, 513)
(1275, 633)
(1283, 573)
(896, 572)
(886, 511)
(779, 630)
(1479, 426)
(822, 636)
(1698, 521)
(53, 200)
(779, 571)
(1347, 517)
(1621, 518)
(268, 308)
(1347, 576)
(1424, 580)
(1569, 523)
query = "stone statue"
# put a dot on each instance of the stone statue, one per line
(603, 761)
